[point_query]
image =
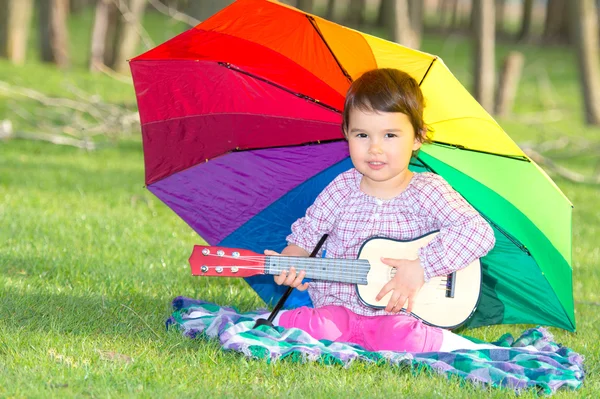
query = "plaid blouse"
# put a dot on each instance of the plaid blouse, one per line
(350, 217)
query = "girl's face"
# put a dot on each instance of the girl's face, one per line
(381, 145)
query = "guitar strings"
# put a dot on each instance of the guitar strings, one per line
(362, 263)
(359, 271)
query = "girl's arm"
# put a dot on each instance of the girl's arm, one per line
(464, 235)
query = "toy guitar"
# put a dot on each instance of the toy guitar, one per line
(445, 301)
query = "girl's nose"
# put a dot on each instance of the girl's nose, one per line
(375, 148)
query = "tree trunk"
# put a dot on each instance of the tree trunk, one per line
(484, 52)
(500, 14)
(54, 34)
(509, 83)
(110, 41)
(385, 17)
(76, 6)
(100, 33)
(526, 20)
(305, 5)
(402, 27)
(443, 11)
(127, 37)
(330, 13)
(454, 21)
(584, 22)
(416, 11)
(556, 27)
(15, 20)
(355, 14)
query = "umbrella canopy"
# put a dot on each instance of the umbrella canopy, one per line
(241, 126)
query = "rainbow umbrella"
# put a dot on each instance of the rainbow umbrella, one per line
(241, 130)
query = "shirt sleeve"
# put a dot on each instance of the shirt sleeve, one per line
(320, 219)
(464, 235)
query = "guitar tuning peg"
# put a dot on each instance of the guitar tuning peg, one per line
(234, 269)
(235, 254)
(220, 252)
(206, 252)
(204, 269)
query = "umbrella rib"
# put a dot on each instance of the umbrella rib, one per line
(427, 71)
(316, 28)
(300, 95)
(462, 147)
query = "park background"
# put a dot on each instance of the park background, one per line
(90, 260)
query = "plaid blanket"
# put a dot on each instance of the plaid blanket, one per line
(533, 360)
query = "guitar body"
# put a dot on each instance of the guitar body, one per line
(440, 302)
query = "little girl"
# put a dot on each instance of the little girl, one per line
(383, 123)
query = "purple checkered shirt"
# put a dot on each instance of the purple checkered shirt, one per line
(350, 217)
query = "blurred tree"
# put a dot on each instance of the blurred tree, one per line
(127, 34)
(305, 5)
(509, 83)
(330, 11)
(76, 6)
(500, 14)
(484, 34)
(385, 15)
(15, 20)
(416, 11)
(403, 20)
(526, 20)
(455, 19)
(355, 15)
(100, 33)
(584, 23)
(54, 33)
(556, 26)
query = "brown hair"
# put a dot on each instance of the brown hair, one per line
(388, 90)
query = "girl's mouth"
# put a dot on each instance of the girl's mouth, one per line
(375, 165)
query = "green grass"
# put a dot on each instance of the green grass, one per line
(90, 260)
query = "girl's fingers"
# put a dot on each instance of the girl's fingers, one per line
(280, 278)
(393, 300)
(384, 291)
(290, 277)
(303, 287)
(400, 304)
(298, 281)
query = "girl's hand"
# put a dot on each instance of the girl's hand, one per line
(289, 278)
(405, 285)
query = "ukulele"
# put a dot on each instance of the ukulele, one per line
(445, 301)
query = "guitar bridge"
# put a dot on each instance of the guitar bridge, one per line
(450, 285)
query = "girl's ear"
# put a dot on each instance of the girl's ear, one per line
(417, 144)
(419, 139)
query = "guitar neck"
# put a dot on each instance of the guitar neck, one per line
(353, 271)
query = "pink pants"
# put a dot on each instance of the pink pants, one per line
(400, 332)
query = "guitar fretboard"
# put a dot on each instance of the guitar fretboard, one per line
(353, 271)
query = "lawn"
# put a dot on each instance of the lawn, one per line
(90, 260)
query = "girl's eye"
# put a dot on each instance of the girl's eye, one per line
(390, 135)
(361, 135)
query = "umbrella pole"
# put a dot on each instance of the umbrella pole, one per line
(281, 302)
